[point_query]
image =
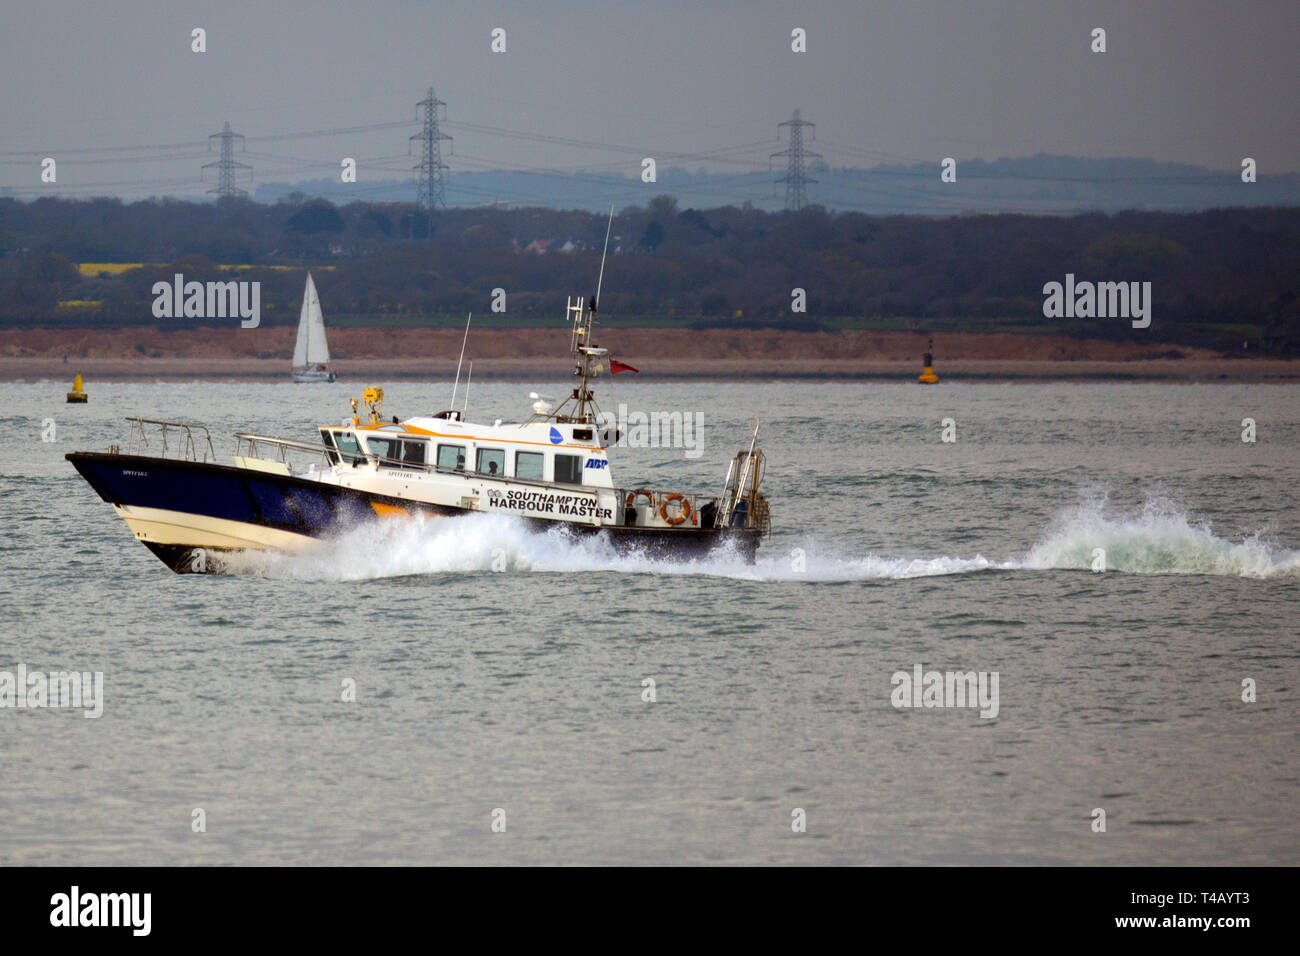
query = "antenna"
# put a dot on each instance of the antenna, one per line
(469, 377)
(601, 277)
(461, 359)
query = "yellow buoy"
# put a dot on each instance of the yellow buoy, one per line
(77, 394)
(927, 376)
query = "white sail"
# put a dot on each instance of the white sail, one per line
(311, 347)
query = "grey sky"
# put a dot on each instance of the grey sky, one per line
(1198, 82)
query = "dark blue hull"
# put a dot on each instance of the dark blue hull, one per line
(282, 502)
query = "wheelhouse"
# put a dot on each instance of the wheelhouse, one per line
(519, 456)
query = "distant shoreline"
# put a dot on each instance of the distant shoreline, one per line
(373, 356)
(370, 371)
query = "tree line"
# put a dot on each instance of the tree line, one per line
(1220, 278)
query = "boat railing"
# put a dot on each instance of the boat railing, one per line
(761, 514)
(741, 504)
(281, 448)
(187, 439)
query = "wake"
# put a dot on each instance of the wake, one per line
(1158, 539)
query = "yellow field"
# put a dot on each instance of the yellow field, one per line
(94, 269)
(112, 268)
(80, 303)
(279, 268)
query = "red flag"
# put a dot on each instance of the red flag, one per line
(615, 366)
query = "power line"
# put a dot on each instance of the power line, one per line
(340, 131)
(148, 147)
(553, 140)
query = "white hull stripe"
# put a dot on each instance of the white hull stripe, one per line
(160, 526)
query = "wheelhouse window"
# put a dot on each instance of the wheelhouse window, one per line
(327, 439)
(528, 464)
(568, 469)
(398, 452)
(414, 453)
(491, 461)
(451, 457)
(385, 448)
(346, 443)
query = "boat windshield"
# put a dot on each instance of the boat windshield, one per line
(346, 444)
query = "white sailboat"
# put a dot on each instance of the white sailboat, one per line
(311, 353)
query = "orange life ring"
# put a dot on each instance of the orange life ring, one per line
(633, 495)
(682, 515)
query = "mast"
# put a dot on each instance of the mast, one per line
(588, 357)
(302, 342)
(459, 361)
(311, 315)
(591, 358)
(601, 278)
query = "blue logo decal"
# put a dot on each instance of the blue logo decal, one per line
(596, 463)
(556, 437)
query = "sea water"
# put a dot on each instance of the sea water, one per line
(470, 691)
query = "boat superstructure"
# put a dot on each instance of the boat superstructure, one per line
(551, 470)
(311, 352)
